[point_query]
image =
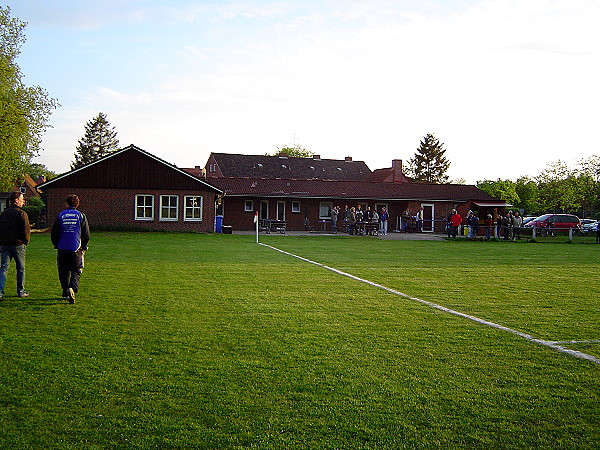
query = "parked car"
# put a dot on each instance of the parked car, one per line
(588, 226)
(528, 219)
(551, 222)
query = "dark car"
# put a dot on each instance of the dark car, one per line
(550, 222)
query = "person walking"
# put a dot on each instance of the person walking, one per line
(70, 236)
(15, 233)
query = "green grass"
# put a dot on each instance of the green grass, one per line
(192, 341)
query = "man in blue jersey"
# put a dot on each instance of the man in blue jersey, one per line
(70, 236)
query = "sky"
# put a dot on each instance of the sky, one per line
(508, 86)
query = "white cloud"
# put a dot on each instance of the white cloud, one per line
(507, 86)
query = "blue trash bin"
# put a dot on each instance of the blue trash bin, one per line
(218, 224)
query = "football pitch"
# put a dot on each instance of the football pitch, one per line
(213, 341)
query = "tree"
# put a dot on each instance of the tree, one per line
(99, 140)
(24, 111)
(294, 151)
(429, 165)
(37, 170)
(562, 188)
(502, 189)
(528, 193)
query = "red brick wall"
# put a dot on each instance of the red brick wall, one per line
(116, 208)
(234, 214)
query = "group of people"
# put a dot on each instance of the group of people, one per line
(508, 226)
(406, 219)
(358, 221)
(455, 220)
(70, 236)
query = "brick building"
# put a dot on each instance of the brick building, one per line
(304, 190)
(132, 189)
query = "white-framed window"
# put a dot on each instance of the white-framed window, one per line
(249, 206)
(169, 205)
(144, 207)
(23, 190)
(325, 210)
(192, 208)
(296, 206)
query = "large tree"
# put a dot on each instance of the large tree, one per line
(565, 189)
(24, 111)
(429, 165)
(99, 140)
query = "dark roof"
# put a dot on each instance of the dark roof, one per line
(260, 166)
(128, 168)
(349, 189)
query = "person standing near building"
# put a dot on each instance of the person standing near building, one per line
(70, 236)
(517, 224)
(473, 223)
(334, 218)
(419, 218)
(489, 224)
(455, 221)
(383, 217)
(15, 233)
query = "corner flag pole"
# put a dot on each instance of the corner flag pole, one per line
(256, 223)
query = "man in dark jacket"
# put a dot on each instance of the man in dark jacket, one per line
(70, 236)
(15, 232)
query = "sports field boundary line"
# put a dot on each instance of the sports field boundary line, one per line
(551, 344)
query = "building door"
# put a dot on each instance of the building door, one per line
(428, 217)
(264, 209)
(281, 211)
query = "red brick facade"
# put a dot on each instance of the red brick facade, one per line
(115, 208)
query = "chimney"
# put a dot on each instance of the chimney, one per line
(348, 159)
(397, 170)
(316, 156)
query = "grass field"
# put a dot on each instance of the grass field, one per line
(193, 341)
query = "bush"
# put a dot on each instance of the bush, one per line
(34, 208)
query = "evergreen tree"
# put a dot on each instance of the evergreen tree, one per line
(429, 165)
(24, 111)
(99, 140)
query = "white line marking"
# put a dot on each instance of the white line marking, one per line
(551, 344)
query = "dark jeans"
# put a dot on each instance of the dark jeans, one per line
(70, 266)
(16, 252)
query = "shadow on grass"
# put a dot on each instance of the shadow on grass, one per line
(17, 302)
